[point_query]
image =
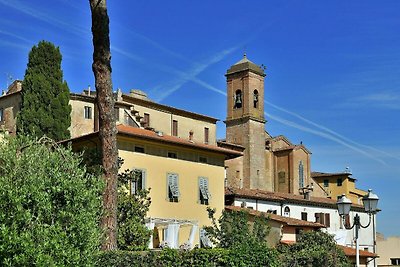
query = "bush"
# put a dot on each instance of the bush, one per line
(314, 248)
(194, 258)
(49, 206)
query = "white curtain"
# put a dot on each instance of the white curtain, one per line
(193, 232)
(150, 225)
(172, 235)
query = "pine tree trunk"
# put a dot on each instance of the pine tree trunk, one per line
(107, 127)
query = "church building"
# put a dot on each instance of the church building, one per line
(269, 163)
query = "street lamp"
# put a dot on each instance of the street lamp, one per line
(370, 202)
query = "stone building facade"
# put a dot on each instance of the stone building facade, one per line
(269, 163)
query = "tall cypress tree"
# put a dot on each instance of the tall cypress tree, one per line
(45, 95)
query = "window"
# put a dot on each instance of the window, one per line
(203, 190)
(1, 114)
(323, 218)
(146, 120)
(395, 261)
(173, 189)
(128, 119)
(172, 155)
(347, 221)
(206, 135)
(286, 211)
(116, 114)
(174, 128)
(138, 181)
(281, 177)
(319, 218)
(327, 220)
(339, 182)
(255, 99)
(238, 99)
(139, 149)
(301, 174)
(203, 159)
(304, 216)
(88, 112)
(326, 183)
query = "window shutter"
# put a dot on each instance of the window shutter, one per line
(322, 218)
(173, 184)
(317, 218)
(203, 184)
(327, 220)
(347, 221)
(133, 187)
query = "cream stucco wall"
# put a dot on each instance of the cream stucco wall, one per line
(79, 124)
(10, 104)
(387, 249)
(188, 207)
(162, 120)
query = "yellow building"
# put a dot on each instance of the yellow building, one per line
(184, 177)
(337, 184)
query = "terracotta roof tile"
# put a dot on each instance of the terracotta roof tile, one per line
(352, 252)
(138, 132)
(153, 136)
(267, 195)
(286, 220)
(324, 174)
(348, 251)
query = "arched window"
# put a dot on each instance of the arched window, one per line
(238, 99)
(286, 211)
(255, 99)
(301, 174)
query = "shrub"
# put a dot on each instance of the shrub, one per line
(49, 206)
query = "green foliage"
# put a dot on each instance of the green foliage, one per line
(49, 206)
(132, 210)
(313, 248)
(45, 95)
(233, 229)
(194, 258)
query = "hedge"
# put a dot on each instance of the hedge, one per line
(195, 258)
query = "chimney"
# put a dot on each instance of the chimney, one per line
(191, 133)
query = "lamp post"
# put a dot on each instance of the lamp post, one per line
(370, 202)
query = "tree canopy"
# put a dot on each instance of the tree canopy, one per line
(45, 108)
(50, 206)
(313, 248)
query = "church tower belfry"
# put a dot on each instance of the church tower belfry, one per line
(245, 122)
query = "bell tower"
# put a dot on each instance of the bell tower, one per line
(245, 122)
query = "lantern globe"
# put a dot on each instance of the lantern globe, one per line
(370, 202)
(343, 205)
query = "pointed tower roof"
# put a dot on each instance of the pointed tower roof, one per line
(245, 65)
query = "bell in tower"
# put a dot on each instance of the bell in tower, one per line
(245, 122)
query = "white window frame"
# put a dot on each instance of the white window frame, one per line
(173, 185)
(133, 187)
(87, 112)
(1, 114)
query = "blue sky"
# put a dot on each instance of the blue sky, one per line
(333, 69)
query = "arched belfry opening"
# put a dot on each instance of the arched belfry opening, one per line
(245, 122)
(255, 99)
(238, 98)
